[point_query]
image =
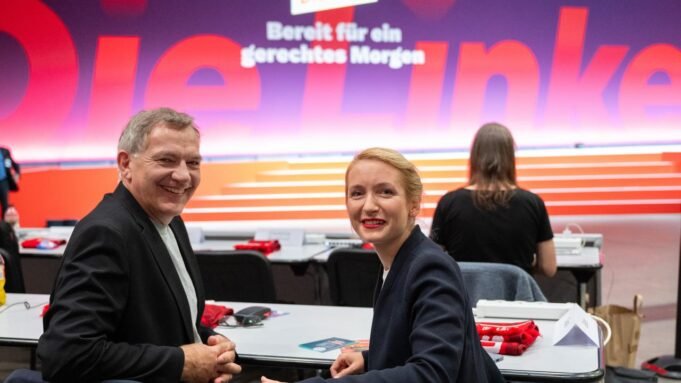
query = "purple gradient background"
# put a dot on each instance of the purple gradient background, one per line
(275, 127)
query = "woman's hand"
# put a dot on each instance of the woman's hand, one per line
(265, 380)
(347, 363)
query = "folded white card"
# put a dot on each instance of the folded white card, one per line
(576, 328)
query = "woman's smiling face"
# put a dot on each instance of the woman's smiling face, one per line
(377, 204)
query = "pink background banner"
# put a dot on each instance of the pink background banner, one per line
(413, 75)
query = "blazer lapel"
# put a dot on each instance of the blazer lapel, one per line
(178, 228)
(401, 258)
(159, 253)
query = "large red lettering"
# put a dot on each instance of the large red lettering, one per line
(52, 77)
(574, 98)
(325, 87)
(511, 59)
(425, 88)
(113, 86)
(637, 94)
(168, 86)
(325, 83)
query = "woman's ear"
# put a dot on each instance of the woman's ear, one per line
(415, 208)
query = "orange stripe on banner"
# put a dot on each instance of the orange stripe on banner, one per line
(312, 188)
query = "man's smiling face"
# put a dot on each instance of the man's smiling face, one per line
(164, 175)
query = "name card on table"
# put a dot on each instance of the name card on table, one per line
(286, 237)
(576, 328)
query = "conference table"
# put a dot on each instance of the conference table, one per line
(583, 267)
(40, 265)
(287, 254)
(277, 342)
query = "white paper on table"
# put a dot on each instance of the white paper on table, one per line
(286, 237)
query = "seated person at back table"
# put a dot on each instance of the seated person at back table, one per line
(492, 219)
(128, 298)
(423, 329)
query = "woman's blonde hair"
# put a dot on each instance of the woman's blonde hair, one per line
(492, 166)
(411, 181)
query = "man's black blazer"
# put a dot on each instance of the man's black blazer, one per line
(118, 309)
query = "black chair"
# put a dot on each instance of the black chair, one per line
(499, 281)
(14, 277)
(237, 275)
(9, 251)
(23, 375)
(61, 222)
(352, 276)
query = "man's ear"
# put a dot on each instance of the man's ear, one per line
(123, 159)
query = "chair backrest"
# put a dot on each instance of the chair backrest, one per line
(352, 276)
(23, 375)
(237, 275)
(61, 222)
(14, 277)
(9, 251)
(499, 281)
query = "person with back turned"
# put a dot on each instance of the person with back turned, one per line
(128, 297)
(492, 219)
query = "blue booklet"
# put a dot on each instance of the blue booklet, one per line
(327, 344)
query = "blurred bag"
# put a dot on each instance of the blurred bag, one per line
(626, 331)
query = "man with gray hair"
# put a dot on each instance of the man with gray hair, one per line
(128, 299)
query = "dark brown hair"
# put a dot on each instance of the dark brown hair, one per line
(492, 166)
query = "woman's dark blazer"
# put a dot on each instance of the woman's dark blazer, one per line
(423, 328)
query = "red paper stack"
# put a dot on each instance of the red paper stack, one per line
(507, 338)
(212, 314)
(264, 247)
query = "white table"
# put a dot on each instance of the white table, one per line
(583, 267)
(19, 325)
(56, 232)
(41, 265)
(277, 341)
(20, 321)
(287, 254)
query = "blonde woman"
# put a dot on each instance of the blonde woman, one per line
(423, 328)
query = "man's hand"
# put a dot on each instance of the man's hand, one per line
(225, 362)
(347, 363)
(211, 362)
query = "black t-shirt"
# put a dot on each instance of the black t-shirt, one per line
(504, 235)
